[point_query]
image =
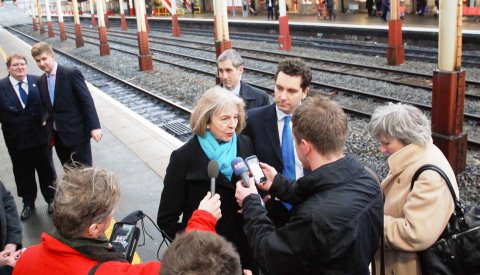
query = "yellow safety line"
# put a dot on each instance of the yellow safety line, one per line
(108, 232)
(3, 53)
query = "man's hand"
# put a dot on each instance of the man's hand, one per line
(212, 205)
(270, 174)
(243, 192)
(97, 134)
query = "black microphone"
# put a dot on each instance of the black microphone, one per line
(212, 171)
(240, 169)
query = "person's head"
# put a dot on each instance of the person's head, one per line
(230, 68)
(291, 84)
(44, 56)
(220, 112)
(398, 125)
(320, 125)
(197, 252)
(17, 66)
(84, 201)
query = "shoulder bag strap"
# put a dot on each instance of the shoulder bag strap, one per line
(94, 269)
(458, 207)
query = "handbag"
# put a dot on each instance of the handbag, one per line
(457, 250)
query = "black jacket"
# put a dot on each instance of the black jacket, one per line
(22, 127)
(335, 226)
(73, 109)
(10, 229)
(186, 183)
(252, 96)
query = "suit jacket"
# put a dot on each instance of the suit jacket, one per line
(22, 127)
(263, 131)
(252, 96)
(10, 229)
(414, 219)
(186, 183)
(73, 109)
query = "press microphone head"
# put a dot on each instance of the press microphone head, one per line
(212, 169)
(239, 166)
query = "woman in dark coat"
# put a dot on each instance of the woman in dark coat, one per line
(217, 120)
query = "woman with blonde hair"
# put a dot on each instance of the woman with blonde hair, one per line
(217, 120)
(413, 218)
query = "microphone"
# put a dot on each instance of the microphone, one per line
(212, 171)
(240, 169)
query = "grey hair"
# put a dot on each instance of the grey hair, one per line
(401, 121)
(233, 55)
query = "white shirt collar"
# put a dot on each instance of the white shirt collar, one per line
(15, 82)
(280, 114)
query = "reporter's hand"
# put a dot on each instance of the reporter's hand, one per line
(11, 259)
(212, 205)
(241, 192)
(8, 249)
(270, 174)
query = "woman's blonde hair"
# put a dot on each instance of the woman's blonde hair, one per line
(212, 101)
(85, 195)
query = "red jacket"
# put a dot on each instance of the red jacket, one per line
(54, 257)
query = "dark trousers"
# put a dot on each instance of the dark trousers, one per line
(269, 12)
(81, 153)
(25, 162)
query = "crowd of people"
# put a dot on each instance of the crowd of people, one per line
(319, 210)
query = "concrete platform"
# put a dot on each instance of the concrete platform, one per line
(135, 149)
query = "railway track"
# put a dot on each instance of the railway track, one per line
(354, 102)
(417, 80)
(365, 48)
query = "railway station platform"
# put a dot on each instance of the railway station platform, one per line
(135, 149)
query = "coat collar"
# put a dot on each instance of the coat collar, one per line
(404, 157)
(326, 177)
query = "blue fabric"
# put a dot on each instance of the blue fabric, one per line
(288, 154)
(51, 87)
(223, 153)
(23, 93)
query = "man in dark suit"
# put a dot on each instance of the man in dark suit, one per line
(73, 117)
(230, 69)
(267, 128)
(22, 116)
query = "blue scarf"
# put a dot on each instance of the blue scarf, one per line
(223, 153)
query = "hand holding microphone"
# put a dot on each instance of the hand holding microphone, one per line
(240, 169)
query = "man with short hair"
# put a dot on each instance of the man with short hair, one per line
(197, 252)
(73, 117)
(230, 70)
(269, 127)
(23, 116)
(338, 208)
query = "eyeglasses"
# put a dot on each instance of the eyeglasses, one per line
(18, 65)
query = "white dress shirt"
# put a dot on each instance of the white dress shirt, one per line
(15, 87)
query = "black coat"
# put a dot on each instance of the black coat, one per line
(252, 96)
(73, 109)
(22, 127)
(335, 226)
(186, 184)
(11, 231)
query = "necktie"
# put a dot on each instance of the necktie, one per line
(23, 94)
(288, 154)
(51, 87)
